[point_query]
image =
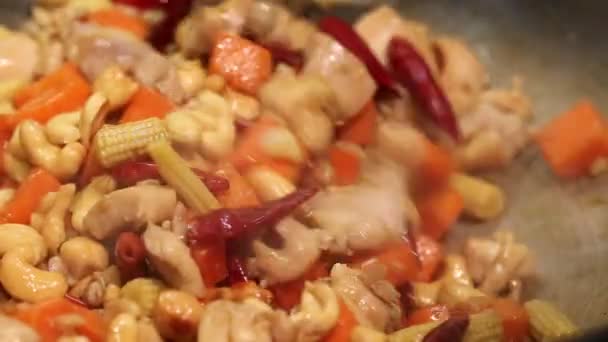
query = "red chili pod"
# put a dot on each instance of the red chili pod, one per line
(281, 54)
(410, 69)
(130, 254)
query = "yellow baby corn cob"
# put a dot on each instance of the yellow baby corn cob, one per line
(547, 322)
(485, 326)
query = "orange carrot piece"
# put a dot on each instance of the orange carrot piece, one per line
(28, 196)
(439, 209)
(347, 322)
(361, 129)
(430, 254)
(435, 167)
(147, 103)
(65, 74)
(288, 295)
(118, 19)
(240, 194)
(401, 263)
(243, 64)
(428, 314)
(42, 318)
(515, 320)
(571, 142)
(346, 165)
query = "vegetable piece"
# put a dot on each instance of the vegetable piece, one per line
(147, 103)
(361, 128)
(430, 254)
(43, 317)
(243, 64)
(237, 275)
(515, 320)
(117, 143)
(547, 323)
(176, 172)
(344, 327)
(288, 295)
(574, 140)
(350, 39)
(130, 256)
(131, 172)
(414, 333)
(240, 194)
(118, 19)
(281, 54)
(452, 329)
(210, 257)
(402, 264)
(439, 209)
(233, 223)
(345, 164)
(62, 91)
(437, 313)
(435, 167)
(410, 69)
(28, 197)
(482, 199)
(484, 326)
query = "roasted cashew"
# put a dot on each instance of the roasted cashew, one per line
(49, 219)
(23, 247)
(116, 86)
(129, 209)
(123, 328)
(15, 168)
(177, 314)
(318, 311)
(83, 256)
(88, 197)
(63, 128)
(93, 107)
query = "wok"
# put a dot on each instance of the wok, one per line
(560, 49)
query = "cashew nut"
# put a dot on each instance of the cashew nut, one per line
(94, 106)
(177, 314)
(191, 76)
(171, 258)
(147, 332)
(123, 328)
(243, 106)
(49, 219)
(15, 168)
(83, 256)
(116, 86)
(318, 311)
(129, 208)
(225, 321)
(63, 129)
(61, 162)
(23, 247)
(87, 198)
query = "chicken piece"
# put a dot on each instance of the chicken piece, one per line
(18, 57)
(129, 208)
(171, 258)
(307, 104)
(300, 249)
(373, 301)
(380, 25)
(363, 216)
(12, 330)
(494, 263)
(342, 71)
(97, 48)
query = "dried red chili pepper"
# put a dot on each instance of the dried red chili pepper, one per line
(281, 54)
(410, 69)
(237, 274)
(141, 4)
(234, 223)
(131, 172)
(130, 254)
(75, 300)
(452, 330)
(343, 32)
(406, 298)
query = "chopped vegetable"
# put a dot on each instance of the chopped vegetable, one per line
(453, 329)
(119, 19)
(233, 223)
(288, 295)
(350, 39)
(361, 128)
(414, 333)
(43, 317)
(574, 140)
(547, 323)
(431, 255)
(130, 256)
(402, 264)
(515, 320)
(240, 194)
(28, 197)
(410, 69)
(346, 165)
(237, 274)
(176, 172)
(210, 257)
(243, 64)
(437, 313)
(439, 209)
(484, 326)
(62, 91)
(482, 199)
(435, 167)
(117, 143)
(147, 103)
(347, 322)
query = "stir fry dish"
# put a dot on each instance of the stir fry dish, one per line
(234, 171)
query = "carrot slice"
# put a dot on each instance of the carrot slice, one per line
(361, 129)
(439, 209)
(147, 103)
(430, 254)
(243, 64)
(28, 196)
(428, 314)
(515, 320)
(118, 19)
(574, 140)
(347, 322)
(435, 167)
(402, 264)
(346, 165)
(240, 194)
(288, 295)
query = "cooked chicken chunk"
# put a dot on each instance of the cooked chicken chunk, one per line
(18, 57)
